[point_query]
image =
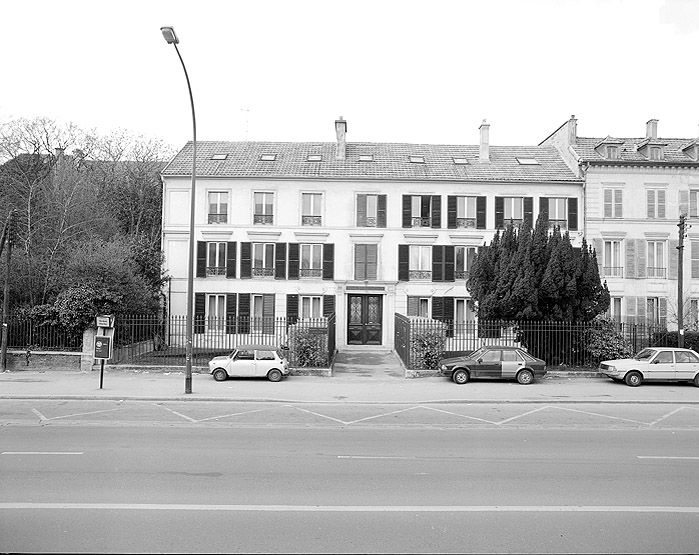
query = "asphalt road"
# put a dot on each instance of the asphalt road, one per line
(103, 476)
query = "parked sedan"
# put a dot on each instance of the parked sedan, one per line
(660, 364)
(494, 361)
(250, 361)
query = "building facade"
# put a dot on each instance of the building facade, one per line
(634, 192)
(359, 230)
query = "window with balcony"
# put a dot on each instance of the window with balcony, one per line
(613, 203)
(653, 311)
(371, 210)
(263, 259)
(215, 312)
(311, 306)
(420, 262)
(558, 213)
(217, 207)
(216, 259)
(422, 211)
(513, 210)
(263, 213)
(365, 262)
(655, 203)
(466, 212)
(657, 267)
(612, 264)
(311, 209)
(311, 262)
(463, 261)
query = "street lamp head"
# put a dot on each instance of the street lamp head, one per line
(169, 34)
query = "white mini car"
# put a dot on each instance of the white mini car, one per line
(250, 361)
(660, 364)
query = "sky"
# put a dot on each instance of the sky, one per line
(409, 71)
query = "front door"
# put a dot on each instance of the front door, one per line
(364, 316)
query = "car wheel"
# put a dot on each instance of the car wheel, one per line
(274, 375)
(460, 376)
(633, 379)
(696, 380)
(220, 375)
(525, 377)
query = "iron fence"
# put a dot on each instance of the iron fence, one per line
(23, 334)
(421, 342)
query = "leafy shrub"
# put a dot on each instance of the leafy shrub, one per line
(604, 341)
(427, 347)
(308, 347)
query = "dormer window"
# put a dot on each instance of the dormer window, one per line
(417, 159)
(460, 161)
(219, 156)
(314, 158)
(528, 161)
(366, 157)
(612, 152)
(268, 157)
(656, 153)
(692, 150)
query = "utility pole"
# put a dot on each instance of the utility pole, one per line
(8, 237)
(680, 282)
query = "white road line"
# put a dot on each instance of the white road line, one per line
(178, 414)
(81, 414)
(41, 453)
(358, 508)
(235, 414)
(668, 457)
(521, 415)
(41, 416)
(373, 457)
(384, 414)
(321, 415)
(461, 415)
(665, 416)
(602, 415)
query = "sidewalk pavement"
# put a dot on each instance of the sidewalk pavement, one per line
(556, 387)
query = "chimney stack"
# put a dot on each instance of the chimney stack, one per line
(484, 153)
(652, 129)
(572, 130)
(341, 131)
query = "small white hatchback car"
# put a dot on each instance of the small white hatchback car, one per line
(250, 361)
(659, 364)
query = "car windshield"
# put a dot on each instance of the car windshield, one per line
(645, 354)
(478, 353)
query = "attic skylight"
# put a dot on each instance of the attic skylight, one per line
(366, 157)
(528, 161)
(460, 161)
(417, 159)
(219, 156)
(268, 157)
(314, 157)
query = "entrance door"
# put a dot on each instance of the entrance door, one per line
(364, 316)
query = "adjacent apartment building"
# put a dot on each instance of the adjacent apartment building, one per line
(634, 190)
(361, 230)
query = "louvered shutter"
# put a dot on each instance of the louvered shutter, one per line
(244, 313)
(499, 212)
(360, 262)
(329, 261)
(245, 260)
(280, 261)
(292, 309)
(294, 260)
(481, 213)
(407, 211)
(268, 313)
(361, 210)
(403, 262)
(328, 305)
(436, 212)
(438, 263)
(573, 214)
(231, 309)
(451, 212)
(231, 252)
(199, 312)
(381, 211)
(528, 212)
(201, 259)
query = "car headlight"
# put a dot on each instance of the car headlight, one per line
(611, 368)
(443, 367)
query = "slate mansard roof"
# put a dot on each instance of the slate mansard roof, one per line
(673, 153)
(390, 161)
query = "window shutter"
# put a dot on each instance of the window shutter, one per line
(650, 203)
(361, 210)
(199, 312)
(381, 211)
(684, 202)
(436, 211)
(617, 200)
(695, 259)
(544, 206)
(448, 315)
(231, 252)
(673, 261)
(481, 206)
(641, 303)
(372, 261)
(231, 308)
(437, 263)
(360, 262)
(403, 262)
(449, 255)
(630, 258)
(608, 203)
(451, 212)
(499, 212)
(661, 203)
(407, 211)
(201, 259)
(662, 311)
(528, 212)
(268, 313)
(573, 214)
(292, 309)
(631, 310)
(280, 261)
(413, 306)
(244, 313)
(245, 260)
(293, 261)
(641, 249)
(437, 308)
(329, 261)
(328, 305)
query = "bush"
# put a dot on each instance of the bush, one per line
(604, 341)
(427, 347)
(308, 347)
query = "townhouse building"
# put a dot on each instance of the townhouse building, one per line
(358, 230)
(634, 191)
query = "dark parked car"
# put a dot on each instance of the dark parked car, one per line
(494, 361)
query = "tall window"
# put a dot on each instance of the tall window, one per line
(311, 261)
(463, 261)
(217, 207)
(420, 262)
(656, 260)
(365, 262)
(263, 259)
(514, 210)
(216, 312)
(694, 203)
(653, 311)
(264, 209)
(310, 209)
(311, 306)
(612, 203)
(465, 212)
(419, 306)
(372, 210)
(694, 253)
(694, 313)
(558, 213)
(614, 310)
(421, 210)
(612, 259)
(464, 317)
(216, 259)
(655, 203)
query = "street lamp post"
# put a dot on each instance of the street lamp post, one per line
(171, 38)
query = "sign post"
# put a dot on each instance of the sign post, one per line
(104, 341)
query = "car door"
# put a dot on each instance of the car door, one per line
(489, 364)
(662, 367)
(511, 363)
(686, 365)
(244, 363)
(265, 361)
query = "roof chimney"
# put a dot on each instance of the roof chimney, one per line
(341, 131)
(572, 130)
(484, 153)
(652, 129)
